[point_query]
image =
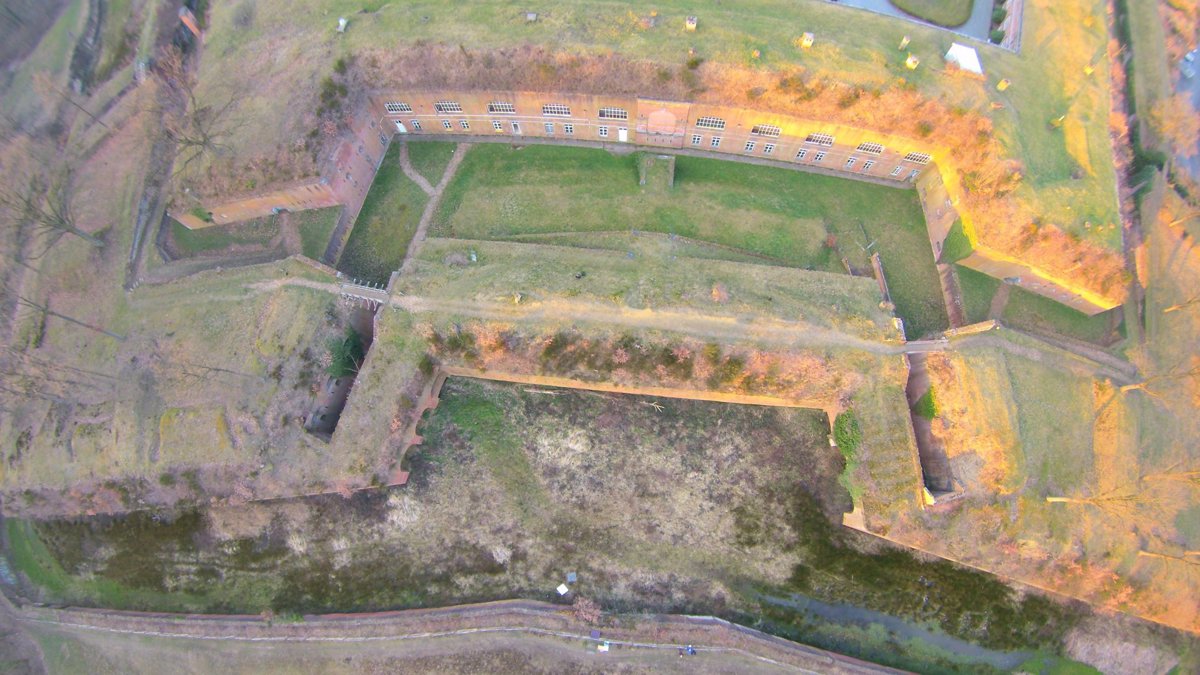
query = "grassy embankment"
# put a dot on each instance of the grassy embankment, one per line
(1068, 171)
(386, 223)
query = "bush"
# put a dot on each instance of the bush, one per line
(346, 355)
(996, 36)
(340, 65)
(846, 433)
(926, 406)
(201, 213)
(998, 15)
(694, 62)
(924, 128)
(243, 16)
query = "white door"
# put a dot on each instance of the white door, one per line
(516, 127)
(623, 135)
(400, 128)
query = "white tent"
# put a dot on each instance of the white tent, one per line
(964, 57)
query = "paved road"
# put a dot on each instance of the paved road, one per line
(978, 26)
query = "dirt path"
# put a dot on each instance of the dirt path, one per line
(435, 198)
(662, 632)
(407, 167)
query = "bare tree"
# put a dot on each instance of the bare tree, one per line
(198, 128)
(47, 204)
(1195, 299)
(44, 308)
(1182, 371)
(1123, 503)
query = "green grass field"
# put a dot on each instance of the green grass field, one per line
(430, 158)
(948, 13)
(1032, 312)
(559, 194)
(386, 223)
(977, 292)
(257, 232)
(316, 226)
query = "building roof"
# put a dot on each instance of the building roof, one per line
(964, 57)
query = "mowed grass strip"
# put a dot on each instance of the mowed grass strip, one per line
(430, 158)
(501, 193)
(948, 13)
(386, 223)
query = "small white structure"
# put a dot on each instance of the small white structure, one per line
(563, 589)
(341, 24)
(965, 58)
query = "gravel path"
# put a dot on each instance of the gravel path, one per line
(435, 197)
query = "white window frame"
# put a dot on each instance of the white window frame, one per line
(497, 125)
(602, 131)
(556, 110)
(697, 139)
(709, 122)
(715, 142)
(447, 125)
(917, 158)
(465, 125)
(850, 162)
(823, 140)
(801, 154)
(569, 129)
(867, 165)
(912, 174)
(819, 156)
(416, 125)
(397, 108)
(766, 130)
(613, 113)
(871, 148)
(448, 108)
(501, 108)
(516, 128)
(548, 127)
(749, 146)
(896, 171)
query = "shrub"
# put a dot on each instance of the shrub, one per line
(426, 365)
(926, 406)
(243, 16)
(346, 354)
(694, 62)
(166, 479)
(846, 433)
(996, 36)
(340, 65)
(998, 15)
(201, 213)
(924, 128)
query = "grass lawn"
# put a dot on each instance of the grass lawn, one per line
(316, 226)
(386, 223)
(257, 232)
(950, 13)
(1032, 312)
(977, 291)
(430, 158)
(784, 215)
